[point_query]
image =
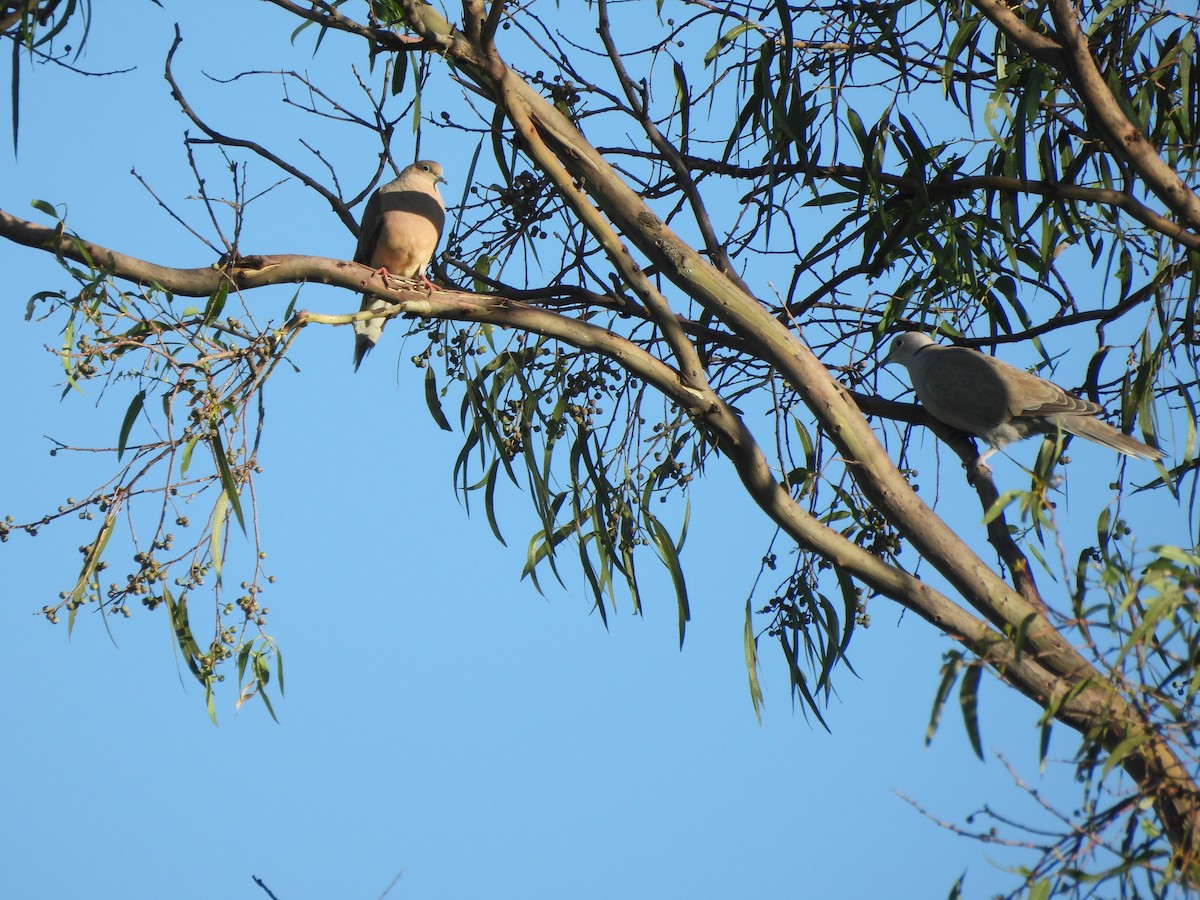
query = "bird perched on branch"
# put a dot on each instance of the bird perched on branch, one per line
(999, 403)
(401, 227)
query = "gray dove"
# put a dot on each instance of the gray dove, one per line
(401, 227)
(999, 403)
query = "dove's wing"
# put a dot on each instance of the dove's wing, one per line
(961, 388)
(368, 232)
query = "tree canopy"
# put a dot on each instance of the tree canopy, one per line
(682, 238)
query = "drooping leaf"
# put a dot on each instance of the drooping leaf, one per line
(668, 552)
(433, 401)
(216, 303)
(968, 695)
(750, 645)
(228, 483)
(725, 40)
(217, 533)
(950, 669)
(131, 414)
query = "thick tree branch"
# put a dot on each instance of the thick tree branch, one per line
(1003, 15)
(1105, 113)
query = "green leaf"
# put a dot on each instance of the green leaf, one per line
(242, 658)
(182, 629)
(210, 700)
(489, 498)
(216, 303)
(291, 307)
(65, 356)
(91, 560)
(43, 206)
(799, 683)
(725, 40)
(399, 71)
(185, 458)
(950, 670)
(968, 696)
(999, 505)
(851, 599)
(589, 571)
(859, 132)
(434, 402)
(262, 670)
(227, 480)
(416, 108)
(219, 515)
(669, 554)
(131, 414)
(15, 97)
(481, 268)
(750, 645)
(683, 95)
(262, 695)
(834, 199)
(542, 547)
(1177, 554)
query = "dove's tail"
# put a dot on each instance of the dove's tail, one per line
(1103, 433)
(362, 346)
(367, 334)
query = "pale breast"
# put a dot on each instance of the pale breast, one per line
(409, 229)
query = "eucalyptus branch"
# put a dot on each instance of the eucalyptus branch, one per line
(1004, 15)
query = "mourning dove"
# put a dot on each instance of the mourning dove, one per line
(997, 402)
(400, 230)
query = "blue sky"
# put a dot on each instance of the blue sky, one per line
(443, 721)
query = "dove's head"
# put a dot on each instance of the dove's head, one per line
(426, 169)
(424, 175)
(905, 347)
